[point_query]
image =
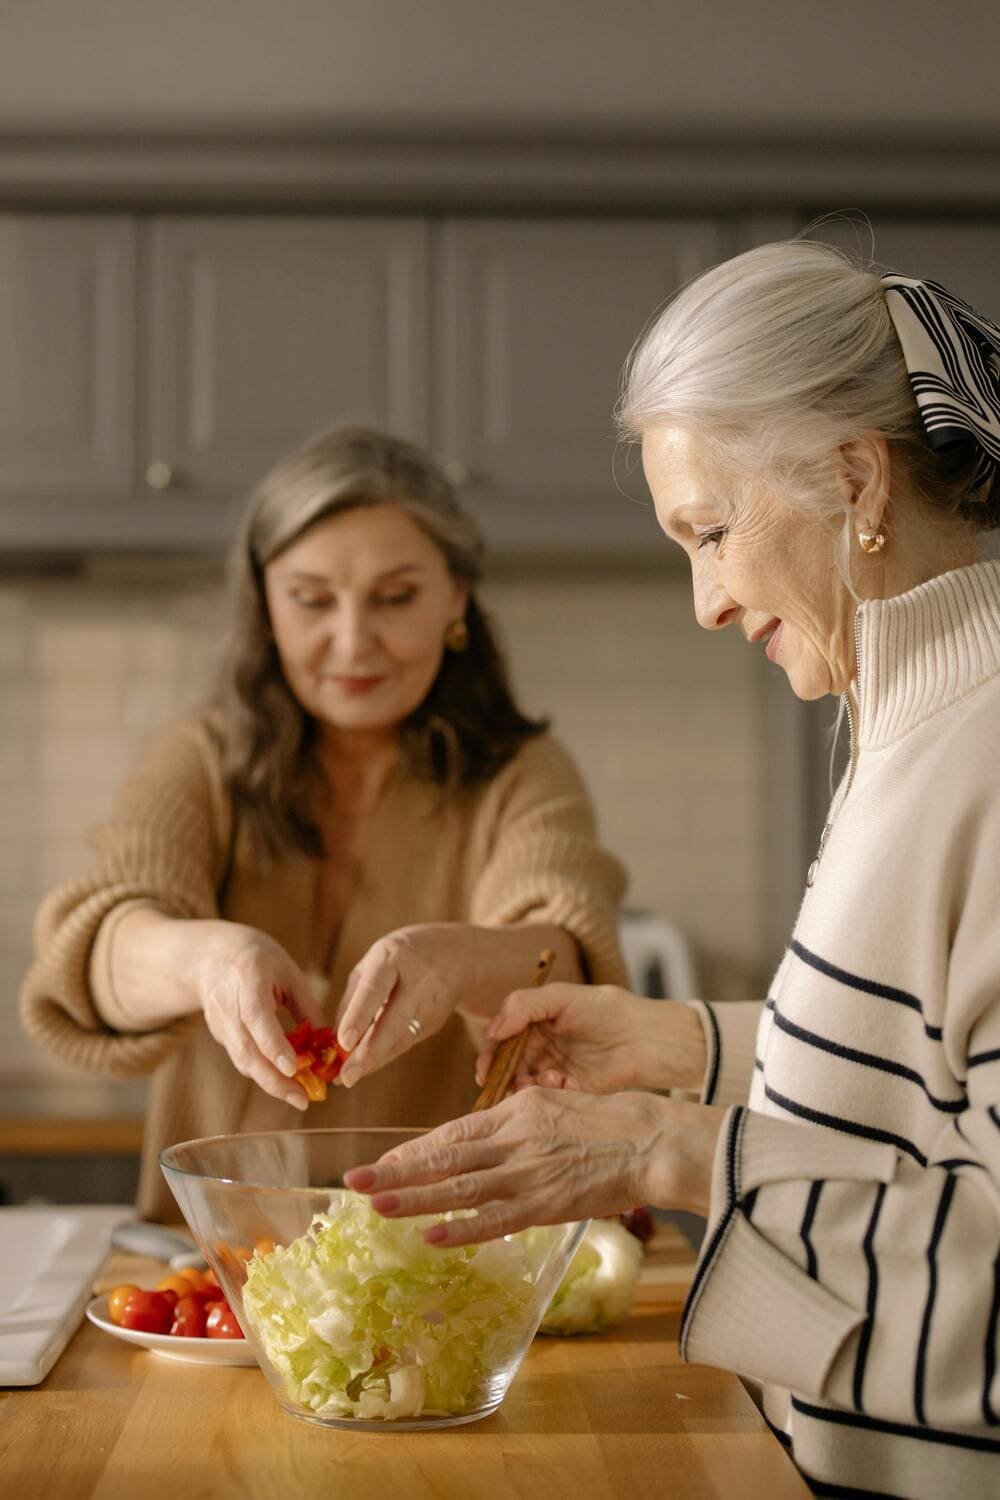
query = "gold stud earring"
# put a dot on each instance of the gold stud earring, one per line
(456, 637)
(871, 541)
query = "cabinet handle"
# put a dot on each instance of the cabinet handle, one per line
(159, 475)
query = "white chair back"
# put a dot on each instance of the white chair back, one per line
(658, 957)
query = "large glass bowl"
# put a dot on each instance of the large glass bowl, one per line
(355, 1321)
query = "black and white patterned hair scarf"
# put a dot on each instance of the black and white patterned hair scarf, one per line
(952, 355)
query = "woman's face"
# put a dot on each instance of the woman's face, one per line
(359, 607)
(756, 563)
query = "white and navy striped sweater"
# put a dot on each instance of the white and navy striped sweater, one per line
(852, 1260)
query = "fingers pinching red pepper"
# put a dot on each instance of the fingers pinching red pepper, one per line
(318, 1057)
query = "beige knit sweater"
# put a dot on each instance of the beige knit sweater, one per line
(520, 848)
(852, 1261)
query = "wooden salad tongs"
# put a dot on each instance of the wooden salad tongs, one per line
(507, 1058)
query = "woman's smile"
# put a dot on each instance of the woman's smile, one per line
(771, 649)
(351, 684)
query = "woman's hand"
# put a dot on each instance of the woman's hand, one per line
(241, 976)
(165, 967)
(411, 981)
(599, 1038)
(545, 1157)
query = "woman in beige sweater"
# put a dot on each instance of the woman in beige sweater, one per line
(362, 827)
(824, 444)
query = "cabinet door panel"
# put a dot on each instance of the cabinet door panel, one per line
(67, 371)
(537, 319)
(964, 254)
(263, 331)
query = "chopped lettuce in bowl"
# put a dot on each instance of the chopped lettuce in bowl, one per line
(361, 1319)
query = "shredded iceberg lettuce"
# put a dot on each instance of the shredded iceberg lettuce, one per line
(361, 1318)
(596, 1290)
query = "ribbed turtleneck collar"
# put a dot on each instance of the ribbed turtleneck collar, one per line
(926, 649)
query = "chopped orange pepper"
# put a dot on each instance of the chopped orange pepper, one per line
(315, 1087)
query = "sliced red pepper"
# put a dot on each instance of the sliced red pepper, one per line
(322, 1037)
(318, 1058)
(298, 1039)
(329, 1065)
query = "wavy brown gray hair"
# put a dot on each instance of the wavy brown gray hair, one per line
(467, 726)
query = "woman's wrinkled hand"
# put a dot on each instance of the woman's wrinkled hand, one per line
(241, 977)
(402, 991)
(546, 1157)
(598, 1038)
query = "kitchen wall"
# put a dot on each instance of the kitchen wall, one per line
(664, 719)
(803, 67)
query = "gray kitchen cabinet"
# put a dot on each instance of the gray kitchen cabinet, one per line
(964, 254)
(534, 319)
(255, 331)
(259, 331)
(67, 360)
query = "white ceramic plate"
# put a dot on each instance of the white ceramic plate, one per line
(190, 1351)
(49, 1257)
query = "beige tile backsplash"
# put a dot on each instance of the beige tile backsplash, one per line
(665, 720)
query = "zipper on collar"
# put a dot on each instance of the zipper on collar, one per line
(851, 710)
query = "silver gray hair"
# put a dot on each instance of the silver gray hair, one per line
(779, 357)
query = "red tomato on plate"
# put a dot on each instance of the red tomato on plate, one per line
(189, 1319)
(117, 1298)
(221, 1323)
(147, 1312)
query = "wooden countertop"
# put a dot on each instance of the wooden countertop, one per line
(603, 1418)
(113, 1135)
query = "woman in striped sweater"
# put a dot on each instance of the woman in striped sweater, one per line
(824, 444)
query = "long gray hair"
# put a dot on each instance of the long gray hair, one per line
(468, 725)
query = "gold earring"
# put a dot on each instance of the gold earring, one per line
(871, 541)
(456, 637)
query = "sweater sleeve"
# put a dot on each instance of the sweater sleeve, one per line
(164, 846)
(545, 864)
(851, 1272)
(730, 1049)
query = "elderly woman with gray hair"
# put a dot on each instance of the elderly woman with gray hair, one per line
(823, 442)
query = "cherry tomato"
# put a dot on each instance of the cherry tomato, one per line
(170, 1295)
(117, 1298)
(638, 1221)
(263, 1245)
(189, 1318)
(195, 1278)
(179, 1285)
(204, 1294)
(147, 1312)
(220, 1322)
